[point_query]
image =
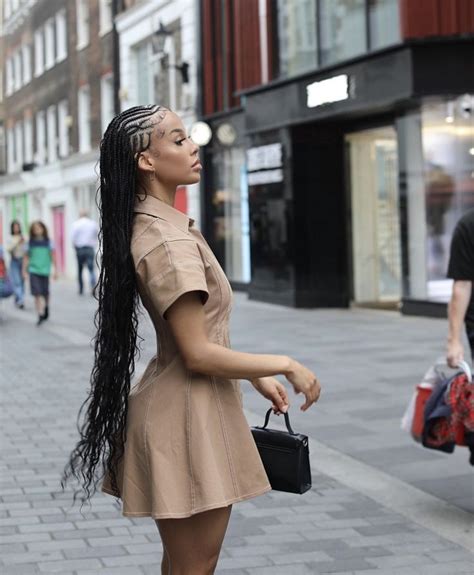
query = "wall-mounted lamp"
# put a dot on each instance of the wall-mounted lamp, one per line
(158, 43)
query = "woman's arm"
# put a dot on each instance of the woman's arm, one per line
(24, 267)
(188, 325)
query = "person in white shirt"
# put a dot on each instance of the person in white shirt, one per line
(84, 239)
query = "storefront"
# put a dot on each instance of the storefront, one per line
(355, 180)
(227, 205)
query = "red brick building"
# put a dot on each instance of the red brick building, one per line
(58, 95)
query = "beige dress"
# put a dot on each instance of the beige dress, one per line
(188, 446)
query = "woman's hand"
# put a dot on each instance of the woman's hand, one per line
(304, 381)
(274, 391)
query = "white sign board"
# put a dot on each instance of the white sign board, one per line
(264, 157)
(265, 177)
(327, 91)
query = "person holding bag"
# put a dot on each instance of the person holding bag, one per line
(176, 447)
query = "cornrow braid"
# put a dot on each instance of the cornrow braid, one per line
(103, 415)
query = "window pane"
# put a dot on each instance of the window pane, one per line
(384, 23)
(297, 36)
(230, 213)
(343, 32)
(447, 136)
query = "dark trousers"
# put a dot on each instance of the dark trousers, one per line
(85, 257)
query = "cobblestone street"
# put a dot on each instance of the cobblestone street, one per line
(379, 503)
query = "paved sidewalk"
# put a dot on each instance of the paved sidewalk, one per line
(368, 363)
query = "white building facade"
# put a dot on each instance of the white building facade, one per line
(162, 68)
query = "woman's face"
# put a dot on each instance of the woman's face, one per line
(172, 155)
(37, 230)
(16, 229)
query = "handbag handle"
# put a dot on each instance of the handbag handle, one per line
(287, 421)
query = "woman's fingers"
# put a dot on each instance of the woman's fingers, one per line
(312, 395)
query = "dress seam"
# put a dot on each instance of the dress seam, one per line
(145, 431)
(188, 436)
(224, 434)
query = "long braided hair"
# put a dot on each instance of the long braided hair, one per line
(103, 415)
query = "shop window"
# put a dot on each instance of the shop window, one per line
(384, 22)
(231, 239)
(343, 29)
(447, 137)
(297, 38)
(438, 175)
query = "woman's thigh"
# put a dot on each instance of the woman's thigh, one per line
(193, 544)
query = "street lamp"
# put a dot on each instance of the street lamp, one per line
(158, 44)
(159, 38)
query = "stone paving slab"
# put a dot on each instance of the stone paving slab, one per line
(331, 529)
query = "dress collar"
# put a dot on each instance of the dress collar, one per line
(155, 207)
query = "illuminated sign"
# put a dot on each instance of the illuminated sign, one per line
(327, 91)
(264, 164)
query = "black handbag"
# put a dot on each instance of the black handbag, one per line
(285, 456)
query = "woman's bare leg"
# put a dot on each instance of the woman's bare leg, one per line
(165, 563)
(193, 544)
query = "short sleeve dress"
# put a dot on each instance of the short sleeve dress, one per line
(188, 446)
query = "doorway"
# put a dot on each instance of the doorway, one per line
(376, 250)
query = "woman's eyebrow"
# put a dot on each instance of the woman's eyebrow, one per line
(177, 130)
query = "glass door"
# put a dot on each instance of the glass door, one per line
(376, 251)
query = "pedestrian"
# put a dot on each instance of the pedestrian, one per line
(461, 306)
(38, 262)
(84, 239)
(16, 249)
(176, 447)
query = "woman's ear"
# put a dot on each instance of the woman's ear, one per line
(145, 163)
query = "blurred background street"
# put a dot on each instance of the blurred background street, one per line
(380, 503)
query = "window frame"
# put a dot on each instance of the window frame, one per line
(106, 17)
(60, 20)
(39, 66)
(82, 24)
(84, 118)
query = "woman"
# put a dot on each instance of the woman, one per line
(16, 249)
(38, 262)
(177, 446)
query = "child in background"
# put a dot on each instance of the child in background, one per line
(37, 262)
(16, 249)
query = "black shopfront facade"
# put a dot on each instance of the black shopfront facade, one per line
(349, 180)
